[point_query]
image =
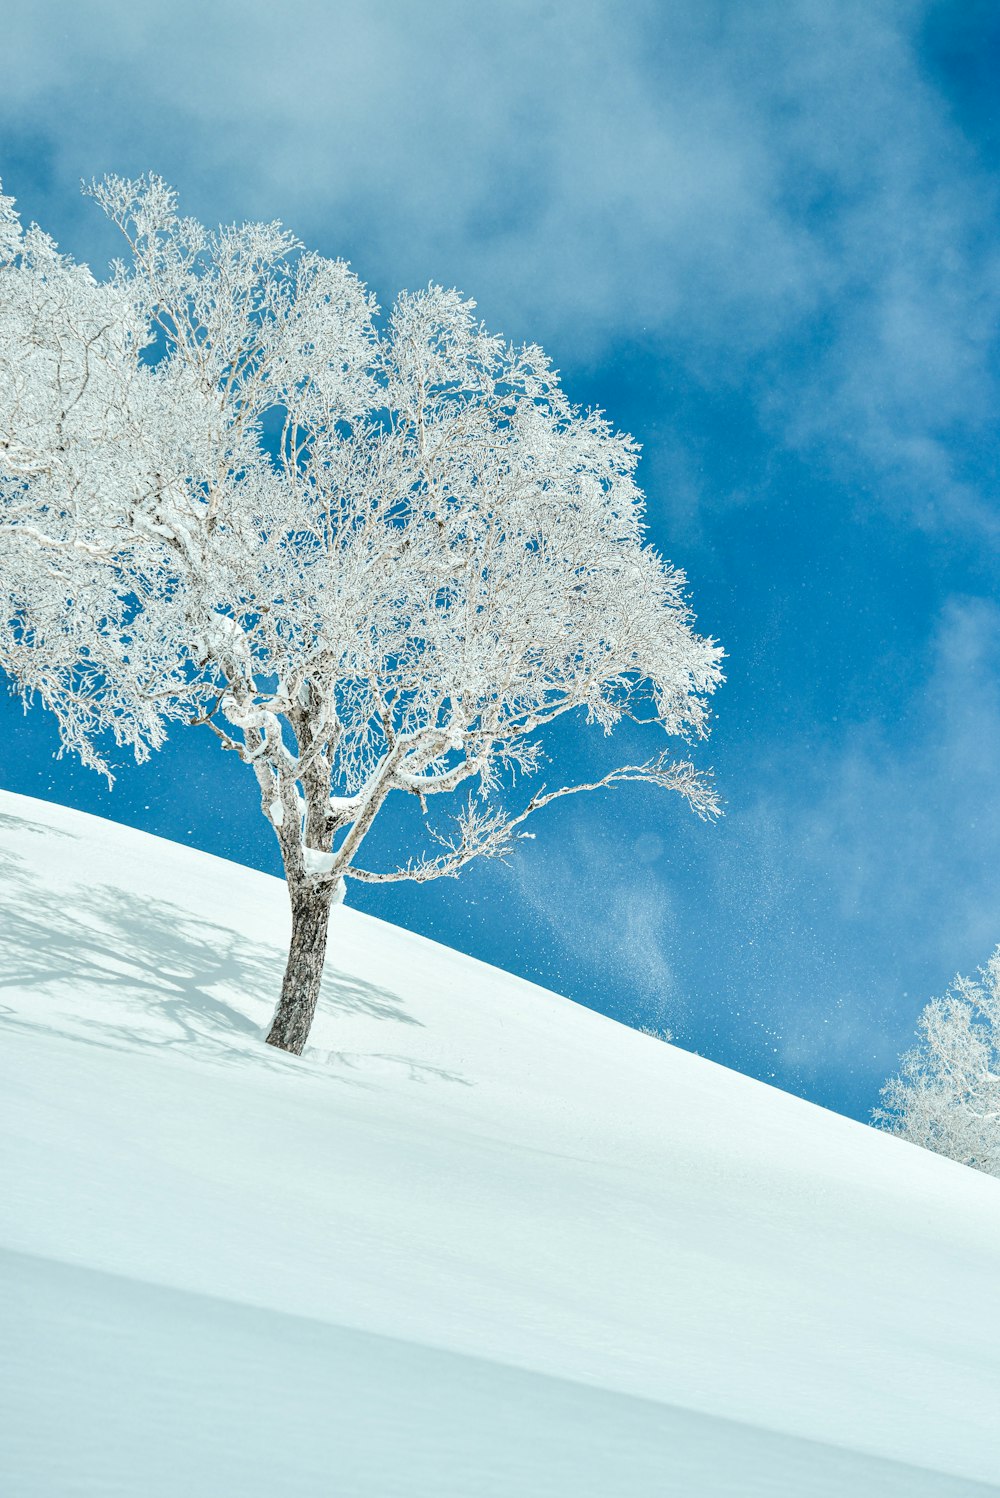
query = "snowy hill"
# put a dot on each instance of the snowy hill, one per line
(479, 1241)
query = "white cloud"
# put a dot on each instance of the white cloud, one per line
(776, 192)
(608, 912)
(869, 867)
(936, 802)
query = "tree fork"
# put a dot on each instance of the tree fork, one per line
(304, 970)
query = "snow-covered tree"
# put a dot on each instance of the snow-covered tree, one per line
(371, 556)
(947, 1094)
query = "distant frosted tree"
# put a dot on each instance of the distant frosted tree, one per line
(947, 1094)
(371, 556)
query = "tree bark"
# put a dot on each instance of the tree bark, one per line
(300, 989)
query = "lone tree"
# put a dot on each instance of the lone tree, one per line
(947, 1094)
(370, 556)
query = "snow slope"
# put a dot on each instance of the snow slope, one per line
(478, 1242)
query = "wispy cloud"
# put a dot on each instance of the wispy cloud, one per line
(778, 192)
(866, 869)
(924, 861)
(608, 912)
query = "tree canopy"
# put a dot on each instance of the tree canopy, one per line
(372, 555)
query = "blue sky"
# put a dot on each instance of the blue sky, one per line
(762, 237)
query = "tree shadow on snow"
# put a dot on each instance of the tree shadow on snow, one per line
(9, 823)
(166, 972)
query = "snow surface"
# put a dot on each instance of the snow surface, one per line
(479, 1241)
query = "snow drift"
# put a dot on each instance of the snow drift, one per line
(477, 1241)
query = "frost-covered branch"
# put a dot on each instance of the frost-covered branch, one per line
(673, 775)
(480, 833)
(491, 833)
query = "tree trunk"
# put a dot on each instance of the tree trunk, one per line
(300, 989)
